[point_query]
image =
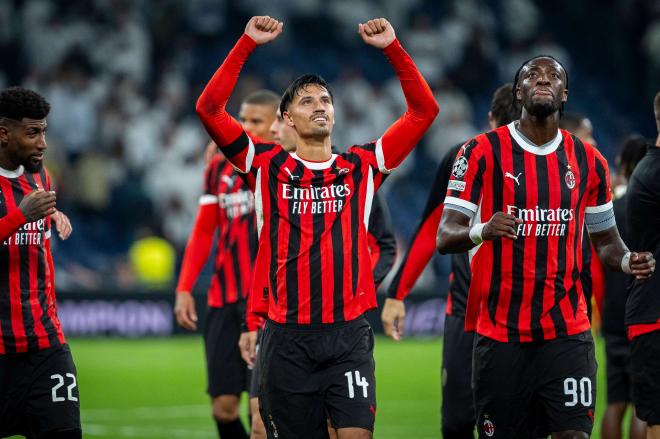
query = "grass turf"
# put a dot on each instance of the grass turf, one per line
(155, 388)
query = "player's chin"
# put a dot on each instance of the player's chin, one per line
(33, 165)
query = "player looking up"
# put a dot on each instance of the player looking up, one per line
(518, 199)
(312, 280)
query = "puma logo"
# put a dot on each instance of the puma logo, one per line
(511, 176)
(291, 176)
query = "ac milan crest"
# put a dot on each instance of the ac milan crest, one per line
(489, 428)
(569, 178)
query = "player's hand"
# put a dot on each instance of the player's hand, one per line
(501, 225)
(62, 224)
(184, 310)
(394, 317)
(642, 264)
(210, 151)
(377, 32)
(247, 343)
(263, 29)
(38, 204)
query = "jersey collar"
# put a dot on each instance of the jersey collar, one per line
(315, 166)
(528, 146)
(12, 174)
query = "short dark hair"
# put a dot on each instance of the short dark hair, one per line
(517, 77)
(301, 83)
(504, 108)
(632, 151)
(656, 111)
(263, 97)
(571, 121)
(17, 103)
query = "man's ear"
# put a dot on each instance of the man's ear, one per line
(287, 118)
(4, 133)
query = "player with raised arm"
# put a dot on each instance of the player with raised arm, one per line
(38, 386)
(313, 280)
(227, 207)
(457, 405)
(518, 200)
(643, 304)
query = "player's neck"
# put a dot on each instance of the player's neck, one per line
(7, 164)
(538, 130)
(657, 142)
(314, 150)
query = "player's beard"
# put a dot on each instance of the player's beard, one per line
(542, 110)
(32, 167)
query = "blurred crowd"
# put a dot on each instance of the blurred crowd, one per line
(122, 76)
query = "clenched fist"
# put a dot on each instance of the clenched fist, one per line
(377, 32)
(263, 29)
(501, 225)
(38, 204)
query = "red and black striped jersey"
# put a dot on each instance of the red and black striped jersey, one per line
(313, 263)
(28, 312)
(226, 208)
(530, 288)
(382, 243)
(422, 247)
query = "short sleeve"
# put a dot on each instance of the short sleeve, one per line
(464, 188)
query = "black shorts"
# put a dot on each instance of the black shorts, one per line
(457, 402)
(617, 353)
(38, 393)
(311, 375)
(227, 372)
(521, 386)
(645, 359)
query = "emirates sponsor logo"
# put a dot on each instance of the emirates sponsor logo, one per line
(28, 234)
(541, 222)
(316, 199)
(237, 204)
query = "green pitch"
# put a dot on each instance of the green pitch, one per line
(155, 388)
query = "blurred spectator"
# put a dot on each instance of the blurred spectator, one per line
(123, 76)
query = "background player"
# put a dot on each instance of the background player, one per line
(617, 348)
(317, 349)
(457, 404)
(38, 385)
(536, 187)
(643, 305)
(227, 207)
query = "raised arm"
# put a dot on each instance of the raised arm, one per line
(211, 105)
(407, 131)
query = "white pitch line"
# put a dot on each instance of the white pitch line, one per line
(143, 432)
(151, 412)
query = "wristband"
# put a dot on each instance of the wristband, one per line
(475, 233)
(625, 263)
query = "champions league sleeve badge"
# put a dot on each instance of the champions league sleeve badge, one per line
(460, 167)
